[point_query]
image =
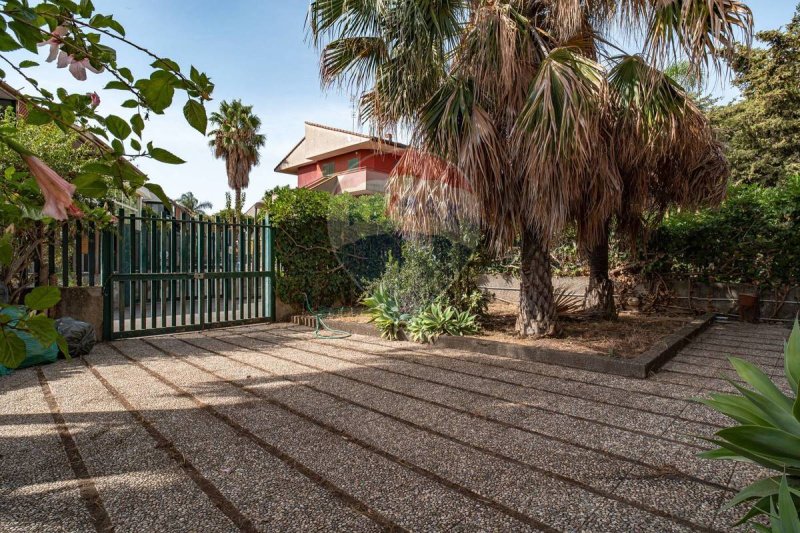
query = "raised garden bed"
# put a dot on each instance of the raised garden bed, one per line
(634, 345)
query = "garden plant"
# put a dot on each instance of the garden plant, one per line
(767, 434)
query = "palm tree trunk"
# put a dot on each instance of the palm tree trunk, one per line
(537, 309)
(238, 202)
(599, 299)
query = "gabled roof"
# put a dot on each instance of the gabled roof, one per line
(322, 142)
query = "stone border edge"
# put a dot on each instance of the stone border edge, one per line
(639, 367)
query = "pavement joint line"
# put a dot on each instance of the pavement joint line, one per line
(349, 500)
(206, 486)
(493, 397)
(413, 361)
(467, 444)
(361, 443)
(709, 378)
(707, 367)
(706, 353)
(86, 487)
(510, 359)
(565, 479)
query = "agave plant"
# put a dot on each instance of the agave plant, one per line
(768, 434)
(385, 313)
(438, 319)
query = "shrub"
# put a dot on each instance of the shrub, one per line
(438, 319)
(754, 237)
(328, 247)
(384, 311)
(768, 434)
(437, 269)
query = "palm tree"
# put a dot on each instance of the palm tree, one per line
(195, 206)
(237, 140)
(526, 117)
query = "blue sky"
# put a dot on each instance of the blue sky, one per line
(255, 50)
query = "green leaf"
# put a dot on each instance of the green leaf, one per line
(38, 117)
(159, 154)
(43, 328)
(61, 342)
(8, 44)
(790, 522)
(158, 191)
(195, 114)
(792, 363)
(12, 349)
(158, 90)
(757, 379)
(28, 64)
(118, 127)
(42, 298)
(771, 443)
(138, 124)
(91, 185)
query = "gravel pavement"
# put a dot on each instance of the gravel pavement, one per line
(266, 428)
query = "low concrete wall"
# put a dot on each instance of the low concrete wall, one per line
(82, 303)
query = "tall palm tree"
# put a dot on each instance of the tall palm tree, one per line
(237, 140)
(193, 204)
(526, 117)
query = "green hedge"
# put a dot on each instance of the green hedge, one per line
(754, 237)
(328, 247)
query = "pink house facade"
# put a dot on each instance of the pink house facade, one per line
(337, 161)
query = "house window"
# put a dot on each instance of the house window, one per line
(352, 164)
(328, 169)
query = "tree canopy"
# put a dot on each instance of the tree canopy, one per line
(762, 129)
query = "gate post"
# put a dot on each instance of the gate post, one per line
(106, 249)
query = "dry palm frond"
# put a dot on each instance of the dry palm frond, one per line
(566, 302)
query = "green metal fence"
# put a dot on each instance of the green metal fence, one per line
(163, 275)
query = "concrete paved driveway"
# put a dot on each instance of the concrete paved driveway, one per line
(267, 428)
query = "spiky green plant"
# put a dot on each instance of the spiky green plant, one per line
(385, 313)
(768, 434)
(437, 319)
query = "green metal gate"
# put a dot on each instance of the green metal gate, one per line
(164, 275)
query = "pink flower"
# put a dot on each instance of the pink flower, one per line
(55, 42)
(56, 190)
(95, 99)
(77, 67)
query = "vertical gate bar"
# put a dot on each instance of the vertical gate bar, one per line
(134, 269)
(226, 268)
(65, 254)
(242, 258)
(264, 253)
(200, 266)
(182, 266)
(162, 291)
(77, 256)
(256, 264)
(216, 251)
(249, 257)
(92, 252)
(193, 266)
(271, 271)
(118, 264)
(51, 258)
(144, 251)
(108, 286)
(154, 262)
(173, 268)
